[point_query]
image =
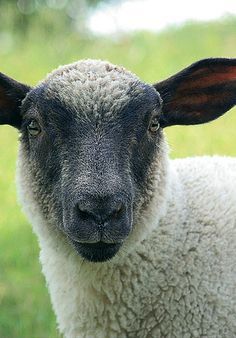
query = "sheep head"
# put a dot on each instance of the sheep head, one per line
(92, 143)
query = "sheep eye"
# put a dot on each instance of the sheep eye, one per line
(34, 128)
(154, 125)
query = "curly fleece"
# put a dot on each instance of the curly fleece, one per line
(176, 276)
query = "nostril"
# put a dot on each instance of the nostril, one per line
(99, 212)
(83, 212)
(118, 211)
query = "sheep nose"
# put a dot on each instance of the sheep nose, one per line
(95, 218)
(100, 212)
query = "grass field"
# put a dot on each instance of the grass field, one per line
(25, 310)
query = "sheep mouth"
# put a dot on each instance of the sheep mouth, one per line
(97, 252)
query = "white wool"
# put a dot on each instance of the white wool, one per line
(176, 274)
(180, 281)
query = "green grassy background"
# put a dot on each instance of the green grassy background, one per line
(25, 309)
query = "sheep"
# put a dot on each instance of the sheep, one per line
(132, 244)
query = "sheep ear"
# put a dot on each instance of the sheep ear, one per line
(11, 95)
(198, 94)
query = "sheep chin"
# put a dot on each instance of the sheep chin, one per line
(96, 252)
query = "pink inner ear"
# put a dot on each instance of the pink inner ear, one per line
(199, 99)
(207, 86)
(195, 99)
(206, 77)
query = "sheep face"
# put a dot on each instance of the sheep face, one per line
(92, 158)
(89, 147)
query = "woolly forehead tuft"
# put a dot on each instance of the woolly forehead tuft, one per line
(93, 85)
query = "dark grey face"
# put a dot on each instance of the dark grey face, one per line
(89, 171)
(91, 140)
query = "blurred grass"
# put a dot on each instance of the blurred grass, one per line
(25, 310)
